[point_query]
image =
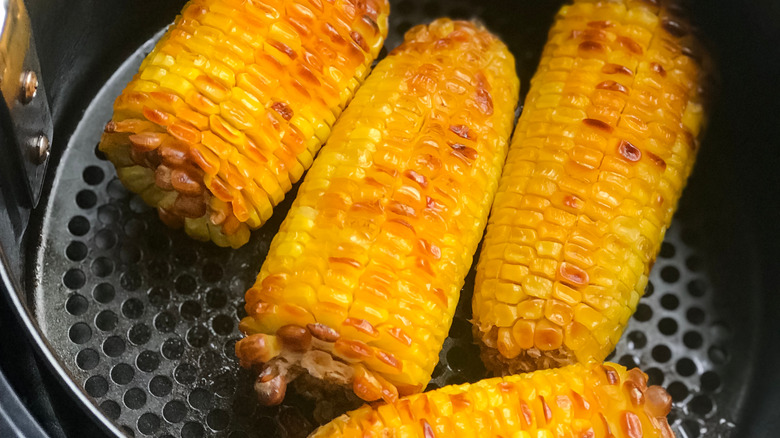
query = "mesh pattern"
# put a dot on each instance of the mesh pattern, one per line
(146, 319)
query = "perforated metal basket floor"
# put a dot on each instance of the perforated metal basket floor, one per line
(146, 319)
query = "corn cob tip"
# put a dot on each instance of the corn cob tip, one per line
(577, 400)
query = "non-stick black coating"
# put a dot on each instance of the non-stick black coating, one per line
(736, 173)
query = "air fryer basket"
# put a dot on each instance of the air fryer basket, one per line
(144, 320)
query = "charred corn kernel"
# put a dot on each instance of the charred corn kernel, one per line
(239, 97)
(577, 400)
(377, 244)
(599, 158)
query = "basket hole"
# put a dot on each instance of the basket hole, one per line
(111, 409)
(685, 367)
(130, 433)
(637, 340)
(667, 326)
(197, 336)
(692, 428)
(670, 274)
(86, 199)
(667, 250)
(105, 239)
(129, 253)
(439, 370)
(654, 376)
(102, 267)
(643, 312)
(200, 399)
(158, 241)
(185, 373)
(134, 228)
(76, 251)
(103, 293)
(661, 353)
(697, 287)
(148, 361)
(114, 346)
(76, 305)
(720, 330)
(192, 430)
(138, 206)
(135, 398)
(108, 214)
(218, 419)
(160, 386)
(173, 348)
(174, 411)
(185, 284)
(139, 334)
(87, 359)
(80, 333)
(710, 381)
(678, 391)
(116, 190)
(216, 298)
(190, 310)
(694, 263)
(628, 361)
(693, 340)
(133, 308)
(670, 302)
(122, 374)
(695, 315)
(224, 385)
(74, 279)
(717, 355)
(130, 281)
(158, 296)
(222, 325)
(701, 405)
(165, 322)
(106, 320)
(96, 386)
(211, 272)
(148, 423)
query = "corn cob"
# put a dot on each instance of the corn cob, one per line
(599, 158)
(574, 401)
(360, 284)
(230, 107)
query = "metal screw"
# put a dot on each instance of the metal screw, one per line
(29, 87)
(41, 149)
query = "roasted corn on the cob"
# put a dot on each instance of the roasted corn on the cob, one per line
(231, 106)
(599, 158)
(361, 283)
(575, 401)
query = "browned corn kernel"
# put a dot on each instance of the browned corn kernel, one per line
(599, 158)
(574, 401)
(372, 256)
(234, 102)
